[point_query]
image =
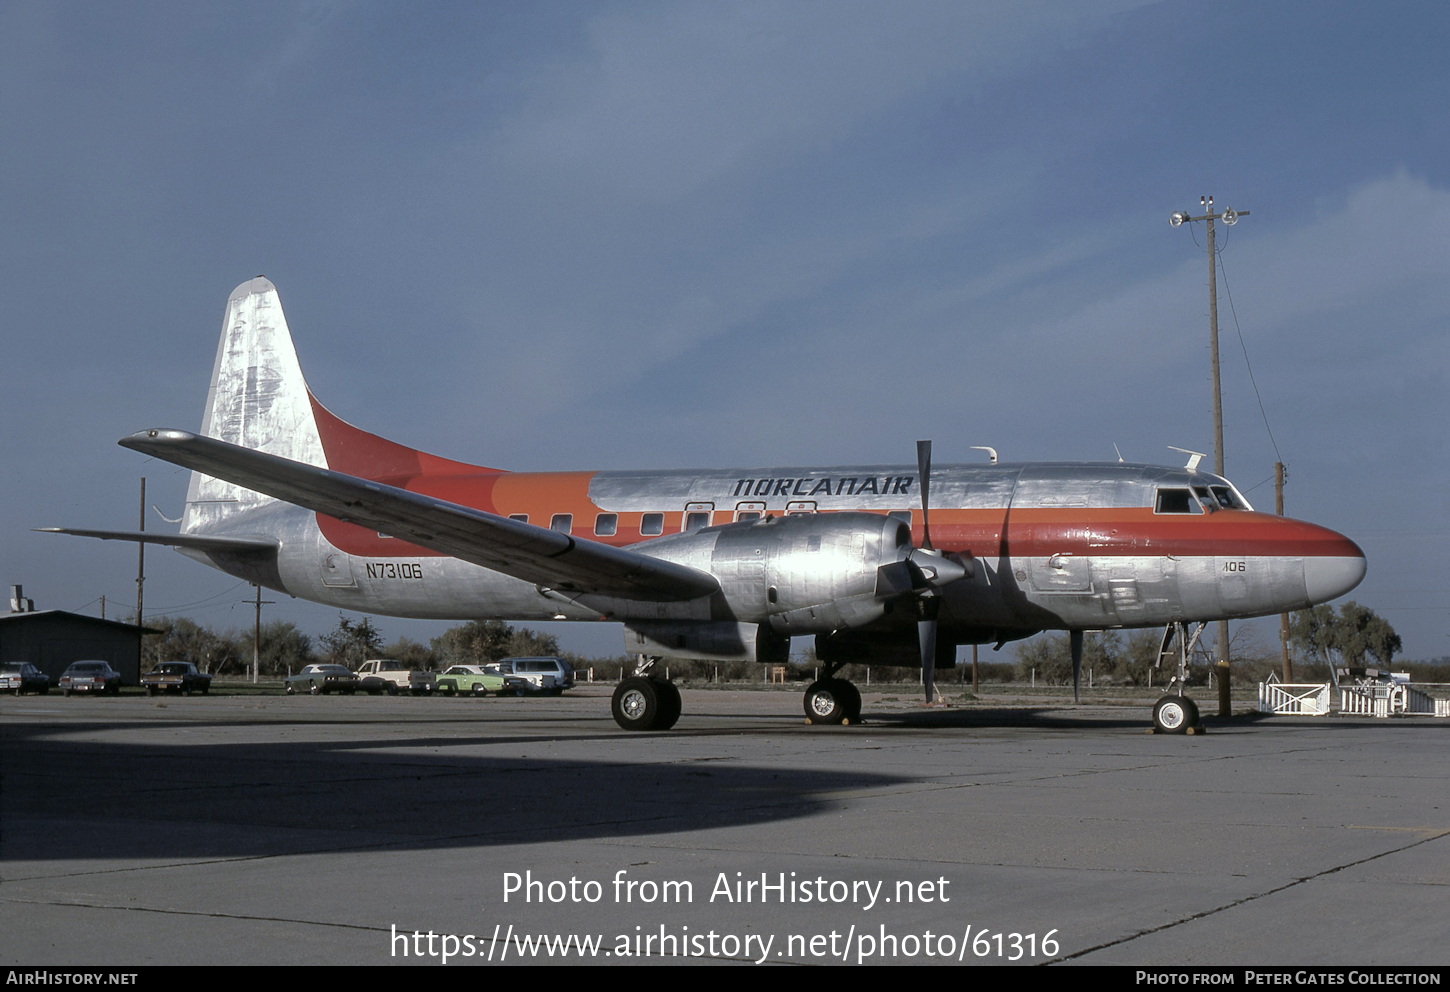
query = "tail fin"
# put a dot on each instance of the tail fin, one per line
(258, 399)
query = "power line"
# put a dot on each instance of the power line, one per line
(1229, 293)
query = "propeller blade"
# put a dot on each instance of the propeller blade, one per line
(927, 609)
(1075, 639)
(923, 468)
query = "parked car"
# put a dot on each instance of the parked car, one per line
(21, 677)
(176, 676)
(90, 676)
(476, 680)
(318, 679)
(547, 675)
(385, 675)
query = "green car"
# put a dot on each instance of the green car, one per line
(472, 679)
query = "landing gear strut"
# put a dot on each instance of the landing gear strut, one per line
(1175, 713)
(832, 700)
(644, 701)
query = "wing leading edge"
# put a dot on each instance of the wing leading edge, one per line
(534, 554)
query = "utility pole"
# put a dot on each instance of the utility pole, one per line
(141, 554)
(1283, 617)
(257, 635)
(1229, 216)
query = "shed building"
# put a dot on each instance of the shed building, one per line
(52, 639)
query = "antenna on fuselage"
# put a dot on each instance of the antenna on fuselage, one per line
(1194, 457)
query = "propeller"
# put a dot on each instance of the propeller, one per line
(920, 574)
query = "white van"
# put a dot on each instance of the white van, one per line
(551, 675)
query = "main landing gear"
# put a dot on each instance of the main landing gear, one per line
(832, 700)
(644, 701)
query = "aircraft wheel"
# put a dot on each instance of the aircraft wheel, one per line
(1174, 715)
(637, 703)
(669, 704)
(825, 702)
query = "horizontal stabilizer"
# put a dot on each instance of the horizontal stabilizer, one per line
(195, 542)
(534, 554)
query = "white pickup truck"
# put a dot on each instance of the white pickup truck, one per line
(385, 675)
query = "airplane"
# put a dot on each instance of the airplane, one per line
(880, 564)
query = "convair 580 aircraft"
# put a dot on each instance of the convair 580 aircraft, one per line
(879, 563)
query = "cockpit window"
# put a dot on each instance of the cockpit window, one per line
(1227, 498)
(1176, 501)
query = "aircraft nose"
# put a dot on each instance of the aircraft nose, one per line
(1331, 576)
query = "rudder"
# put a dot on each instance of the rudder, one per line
(258, 399)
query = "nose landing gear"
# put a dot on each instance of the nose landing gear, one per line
(1175, 713)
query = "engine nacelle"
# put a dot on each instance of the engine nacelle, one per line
(721, 641)
(801, 574)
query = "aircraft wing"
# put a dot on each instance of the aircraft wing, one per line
(534, 554)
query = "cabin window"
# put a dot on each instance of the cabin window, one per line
(1176, 501)
(749, 511)
(522, 518)
(606, 524)
(562, 522)
(696, 519)
(652, 524)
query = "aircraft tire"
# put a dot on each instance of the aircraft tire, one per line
(636, 703)
(825, 702)
(1174, 715)
(851, 699)
(670, 705)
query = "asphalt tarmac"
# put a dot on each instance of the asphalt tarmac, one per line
(332, 830)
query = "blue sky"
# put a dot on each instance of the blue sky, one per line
(699, 234)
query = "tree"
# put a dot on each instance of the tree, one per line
(419, 657)
(1136, 662)
(479, 642)
(352, 643)
(183, 639)
(283, 649)
(1343, 639)
(1051, 655)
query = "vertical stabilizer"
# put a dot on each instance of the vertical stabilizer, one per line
(258, 399)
